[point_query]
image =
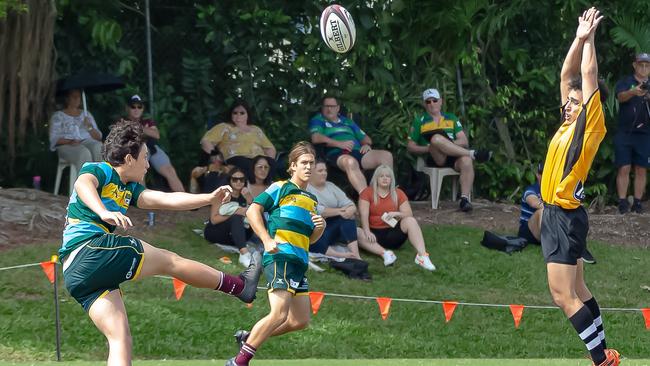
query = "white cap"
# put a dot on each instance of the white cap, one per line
(642, 57)
(431, 93)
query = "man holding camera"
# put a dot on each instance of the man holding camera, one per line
(632, 142)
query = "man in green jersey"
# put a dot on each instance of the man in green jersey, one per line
(95, 260)
(293, 224)
(441, 138)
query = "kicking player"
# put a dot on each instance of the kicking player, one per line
(95, 261)
(564, 220)
(293, 225)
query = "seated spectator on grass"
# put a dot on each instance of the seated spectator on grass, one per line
(73, 134)
(440, 137)
(347, 146)
(387, 220)
(209, 174)
(339, 213)
(226, 225)
(261, 175)
(239, 140)
(532, 206)
(158, 159)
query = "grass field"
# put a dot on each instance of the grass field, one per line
(338, 362)
(200, 326)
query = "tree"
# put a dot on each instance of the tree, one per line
(25, 75)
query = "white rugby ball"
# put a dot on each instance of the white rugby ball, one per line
(337, 28)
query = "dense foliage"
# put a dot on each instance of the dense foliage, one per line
(507, 55)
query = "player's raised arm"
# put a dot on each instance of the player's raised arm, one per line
(589, 64)
(150, 199)
(571, 65)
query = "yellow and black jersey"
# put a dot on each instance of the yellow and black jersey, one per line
(570, 154)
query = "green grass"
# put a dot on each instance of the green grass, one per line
(200, 326)
(338, 362)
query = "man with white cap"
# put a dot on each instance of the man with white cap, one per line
(441, 137)
(632, 141)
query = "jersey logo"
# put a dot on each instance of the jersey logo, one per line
(293, 284)
(579, 192)
(279, 281)
(130, 272)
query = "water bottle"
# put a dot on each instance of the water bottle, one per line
(36, 182)
(151, 218)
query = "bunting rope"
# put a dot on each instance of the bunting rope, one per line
(362, 297)
(20, 266)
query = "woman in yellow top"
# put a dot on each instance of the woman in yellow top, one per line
(239, 140)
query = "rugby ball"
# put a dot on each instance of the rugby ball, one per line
(337, 29)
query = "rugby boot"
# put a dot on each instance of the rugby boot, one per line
(251, 277)
(241, 336)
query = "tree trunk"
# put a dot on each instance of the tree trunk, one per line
(26, 76)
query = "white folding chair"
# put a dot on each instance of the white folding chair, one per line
(59, 172)
(436, 175)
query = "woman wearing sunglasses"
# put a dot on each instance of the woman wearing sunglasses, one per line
(157, 157)
(226, 225)
(239, 140)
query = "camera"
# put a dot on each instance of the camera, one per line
(646, 85)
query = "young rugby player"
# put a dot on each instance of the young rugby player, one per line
(564, 220)
(292, 225)
(96, 261)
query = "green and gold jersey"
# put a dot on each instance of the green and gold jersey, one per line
(289, 223)
(424, 126)
(82, 223)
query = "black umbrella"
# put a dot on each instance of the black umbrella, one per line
(91, 82)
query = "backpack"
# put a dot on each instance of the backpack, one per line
(507, 244)
(353, 268)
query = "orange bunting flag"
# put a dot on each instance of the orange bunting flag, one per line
(48, 268)
(646, 317)
(384, 306)
(316, 298)
(179, 287)
(448, 307)
(517, 311)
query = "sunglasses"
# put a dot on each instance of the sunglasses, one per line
(240, 113)
(137, 106)
(431, 101)
(238, 179)
(330, 106)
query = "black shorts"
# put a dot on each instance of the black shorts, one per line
(450, 162)
(524, 232)
(632, 149)
(332, 158)
(390, 238)
(564, 234)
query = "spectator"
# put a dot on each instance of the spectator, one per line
(441, 137)
(226, 225)
(339, 213)
(532, 206)
(157, 157)
(347, 146)
(239, 140)
(261, 175)
(632, 141)
(387, 220)
(210, 174)
(73, 134)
